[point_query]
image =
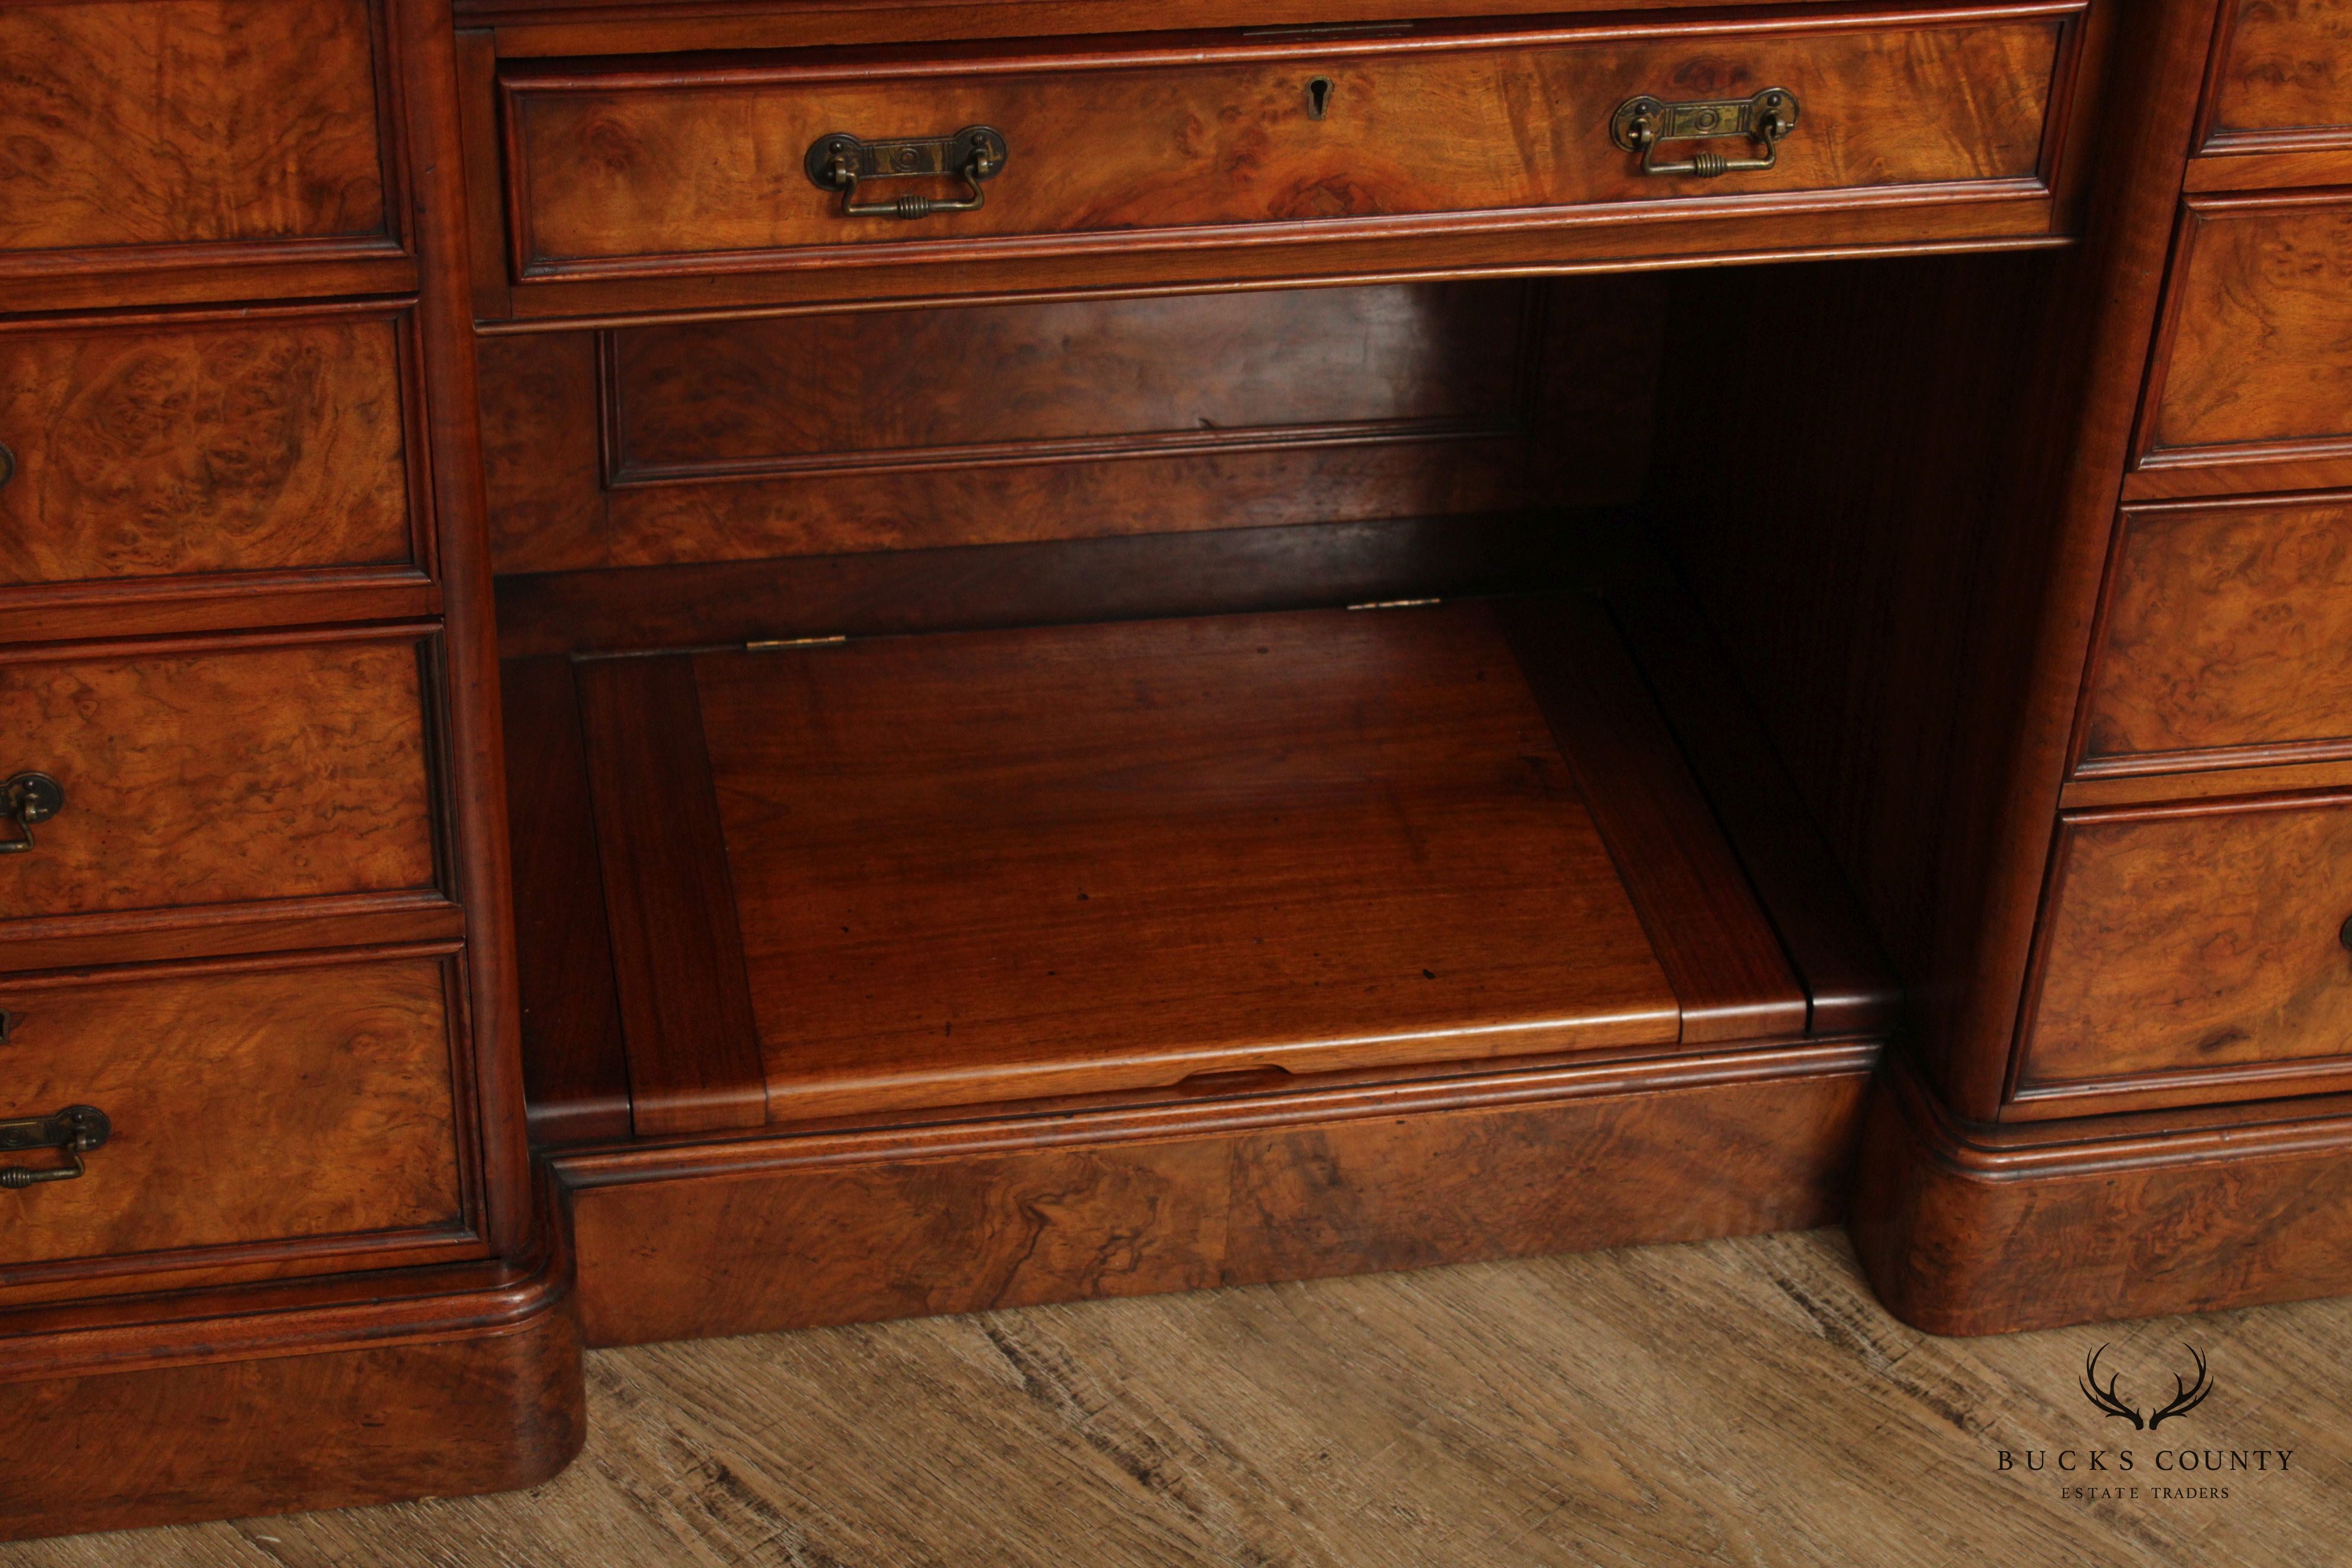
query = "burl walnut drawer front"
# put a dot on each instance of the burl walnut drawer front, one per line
(1232, 139)
(2280, 82)
(2190, 951)
(194, 446)
(2223, 637)
(179, 132)
(215, 774)
(2252, 387)
(248, 1102)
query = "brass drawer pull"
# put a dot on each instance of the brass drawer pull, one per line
(838, 161)
(1641, 124)
(77, 1130)
(24, 800)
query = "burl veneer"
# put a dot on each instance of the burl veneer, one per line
(2222, 638)
(308, 1099)
(2188, 947)
(2254, 381)
(1287, 1183)
(630, 170)
(235, 772)
(203, 446)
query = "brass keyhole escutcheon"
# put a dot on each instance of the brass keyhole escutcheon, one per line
(1318, 97)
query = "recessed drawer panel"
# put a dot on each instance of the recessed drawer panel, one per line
(244, 445)
(179, 122)
(205, 774)
(2191, 949)
(1232, 138)
(2224, 637)
(253, 1103)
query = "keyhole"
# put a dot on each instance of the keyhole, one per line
(1319, 96)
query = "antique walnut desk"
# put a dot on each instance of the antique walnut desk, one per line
(676, 666)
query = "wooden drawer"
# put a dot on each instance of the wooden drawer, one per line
(2279, 82)
(179, 132)
(2252, 387)
(2187, 951)
(1233, 138)
(2223, 639)
(234, 773)
(307, 1100)
(246, 444)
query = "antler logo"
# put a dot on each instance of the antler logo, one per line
(2186, 1397)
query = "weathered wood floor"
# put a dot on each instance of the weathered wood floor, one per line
(1742, 1402)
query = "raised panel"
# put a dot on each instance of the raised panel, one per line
(144, 123)
(251, 1102)
(235, 446)
(625, 170)
(1084, 379)
(834, 434)
(228, 773)
(2194, 949)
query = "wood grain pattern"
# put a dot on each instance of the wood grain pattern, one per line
(254, 1101)
(241, 445)
(1573, 408)
(576, 1064)
(843, 1229)
(1848, 987)
(182, 122)
(1012, 864)
(2280, 78)
(222, 773)
(686, 1006)
(2258, 334)
(2222, 638)
(1607, 1407)
(1971, 1230)
(1093, 378)
(448, 1416)
(2187, 939)
(1719, 951)
(662, 170)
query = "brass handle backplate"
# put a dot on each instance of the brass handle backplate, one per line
(1643, 124)
(24, 800)
(77, 1130)
(839, 162)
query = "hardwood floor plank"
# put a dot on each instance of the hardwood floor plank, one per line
(1736, 1401)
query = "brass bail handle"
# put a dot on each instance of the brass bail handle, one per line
(26, 799)
(1643, 124)
(75, 1131)
(840, 161)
